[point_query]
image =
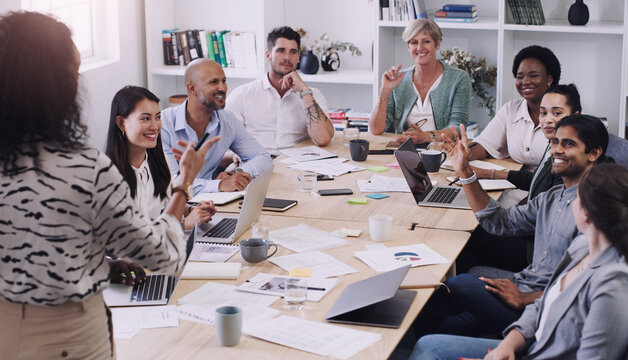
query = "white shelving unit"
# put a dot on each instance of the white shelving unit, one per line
(594, 56)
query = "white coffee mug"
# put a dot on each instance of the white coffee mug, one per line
(380, 227)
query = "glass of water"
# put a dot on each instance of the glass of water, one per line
(307, 181)
(260, 229)
(295, 293)
(349, 134)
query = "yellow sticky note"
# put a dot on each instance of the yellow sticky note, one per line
(300, 272)
(351, 232)
(378, 168)
(359, 201)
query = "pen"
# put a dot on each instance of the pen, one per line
(453, 182)
(316, 288)
(420, 122)
(198, 146)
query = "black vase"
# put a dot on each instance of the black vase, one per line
(578, 13)
(309, 63)
(330, 62)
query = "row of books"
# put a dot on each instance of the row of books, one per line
(352, 118)
(528, 12)
(402, 10)
(459, 13)
(231, 49)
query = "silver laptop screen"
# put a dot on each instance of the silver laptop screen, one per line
(413, 170)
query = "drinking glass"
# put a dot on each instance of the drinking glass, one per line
(307, 181)
(349, 134)
(260, 229)
(295, 293)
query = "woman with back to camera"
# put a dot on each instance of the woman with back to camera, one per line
(64, 205)
(423, 100)
(582, 313)
(515, 130)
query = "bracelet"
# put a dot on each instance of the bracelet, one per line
(493, 174)
(469, 180)
(304, 93)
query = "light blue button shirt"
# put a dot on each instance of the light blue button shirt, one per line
(234, 137)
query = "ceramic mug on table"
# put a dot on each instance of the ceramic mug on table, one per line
(359, 149)
(432, 159)
(228, 321)
(255, 250)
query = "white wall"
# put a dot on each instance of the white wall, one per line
(99, 85)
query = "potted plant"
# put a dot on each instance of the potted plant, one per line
(328, 51)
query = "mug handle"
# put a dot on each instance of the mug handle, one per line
(443, 158)
(269, 246)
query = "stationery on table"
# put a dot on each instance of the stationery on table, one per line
(203, 251)
(488, 184)
(273, 284)
(321, 264)
(308, 153)
(391, 258)
(209, 271)
(419, 278)
(279, 205)
(128, 321)
(357, 201)
(330, 167)
(314, 337)
(380, 183)
(301, 238)
(476, 163)
(378, 168)
(219, 198)
(377, 196)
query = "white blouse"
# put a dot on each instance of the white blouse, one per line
(512, 133)
(551, 296)
(149, 204)
(423, 109)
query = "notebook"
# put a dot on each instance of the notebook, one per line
(224, 228)
(420, 184)
(278, 205)
(219, 198)
(156, 290)
(210, 252)
(375, 301)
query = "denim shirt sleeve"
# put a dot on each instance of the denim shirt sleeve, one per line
(256, 159)
(516, 220)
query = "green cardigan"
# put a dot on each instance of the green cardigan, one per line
(450, 100)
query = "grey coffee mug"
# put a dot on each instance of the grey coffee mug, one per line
(255, 250)
(432, 160)
(359, 149)
(228, 321)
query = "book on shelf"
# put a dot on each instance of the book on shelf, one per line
(514, 11)
(358, 114)
(402, 10)
(459, 7)
(527, 12)
(456, 14)
(338, 113)
(221, 48)
(176, 47)
(167, 47)
(215, 47)
(456, 20)
(420, 11)
(202, 40)
(384, 9)
(192, 44)
(182, 38)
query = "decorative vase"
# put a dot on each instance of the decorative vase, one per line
(309, 63)
(578, 13)
(330, 62)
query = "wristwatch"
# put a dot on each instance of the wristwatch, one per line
(303, 93)
(432, 136)
(187, 190)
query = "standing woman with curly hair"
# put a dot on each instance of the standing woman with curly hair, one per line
(64, 205)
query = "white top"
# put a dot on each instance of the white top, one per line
(551, 296)
(148, 204)
(512, 133)
(273, 121)
(423, 109)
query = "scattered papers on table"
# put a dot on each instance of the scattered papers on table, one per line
(378, 168)
(490, 184)
(477, 163)
(377, 196)
(213, 294)
(314, 337)
(321, 264)
(128, 321)
(308, 153)
(357, 201)
(204, 270)
(272, 284)
(380, 183)
(391, 258)
(302, 238)
(332, 167)
(206, 314)
(212, 252)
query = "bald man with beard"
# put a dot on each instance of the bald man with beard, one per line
(201, 113)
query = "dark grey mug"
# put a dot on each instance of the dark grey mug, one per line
(432, 159)
(255, 250)
(359, 149)
(228, 321)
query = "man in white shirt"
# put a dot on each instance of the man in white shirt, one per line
(279, 110)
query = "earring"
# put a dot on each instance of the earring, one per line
(123, 134)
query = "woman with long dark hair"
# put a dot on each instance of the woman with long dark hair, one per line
(65, 205)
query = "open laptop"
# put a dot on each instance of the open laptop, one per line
(375, 301)
(225, 228)
(420, 184)
(156, 290)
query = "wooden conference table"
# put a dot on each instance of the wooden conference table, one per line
(435, 227)
(400, 205)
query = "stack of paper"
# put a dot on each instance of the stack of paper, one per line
(128, 321)
(321, 264)
(308, 153)
(314, 337)
(302, 238)
(380, 183)
(272, 284)
(208, 271)
(203, 251)
(477, 163)
(490, 184)
(391, 258)
(331, 167)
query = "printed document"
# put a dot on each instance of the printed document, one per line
(273, 284)
(490, 184)
(391, 258)
(203, 251)
(331, 167)
(381, 183)
(321, 264)
(206, 314)
(308, 153)
(303, 238)
(128, 321)
(215, 294)
(477, 163)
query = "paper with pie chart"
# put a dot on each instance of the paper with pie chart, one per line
(391, 258)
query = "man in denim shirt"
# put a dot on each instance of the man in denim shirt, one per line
(479, 306)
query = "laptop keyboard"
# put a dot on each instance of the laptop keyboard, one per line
(224, 229)
(443, 195)
(150, 289)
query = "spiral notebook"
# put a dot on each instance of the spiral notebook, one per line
(212, 252)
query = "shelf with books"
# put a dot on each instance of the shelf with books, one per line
(483, 23)
(558, 25)
(173, 70)
(342, 76)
